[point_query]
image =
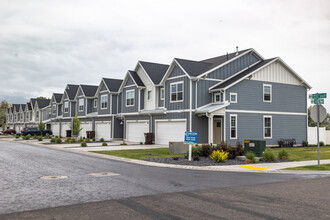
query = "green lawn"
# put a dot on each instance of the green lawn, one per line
(313, 167)
(1, 137)
(305, 153)
(140, 154)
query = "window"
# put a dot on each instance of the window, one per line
(104, 101)
(162, 94)
(233, 126)
(95, 103)
(217, 97)
(149, 95)
(177, 92)
(267, 126)
(37, 114)
(54, 109)
(233, 97)
(66, 107)
(130, 97)
(21, 117)
(81, 105)
(27, 115)
(267, 93)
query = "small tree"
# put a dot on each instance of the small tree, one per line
(41, 127)
(76, 125)
(3, 126)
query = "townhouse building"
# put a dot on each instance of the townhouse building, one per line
(229, 98)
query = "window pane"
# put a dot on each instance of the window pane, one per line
(173, 97)
(233, 133)
(180, 96)
(233, 121)
(179, 87)
(162, 93)
(268, 132)
(127, 101)
(267, 89)
(217, 98)
(267, 122)
(173, 88)
(233, 98)
(267, 97)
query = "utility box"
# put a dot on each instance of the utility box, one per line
(255, 146)
(178, 148)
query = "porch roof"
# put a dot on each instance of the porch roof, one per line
(211, 108)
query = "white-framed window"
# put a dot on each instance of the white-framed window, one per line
(233, 97)
(27, 115)
(130, 97)
(104, 101)
(21, 117)
(267, 93)
(95, 103)
(176, 91)
(162, 94)
(233, 126)
(66, 107)
(149, 95)
(217, 97)
(267, 126)
(37, 114)
(54, 109)
(81, 105)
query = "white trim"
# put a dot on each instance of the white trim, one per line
(176, 77)
(211, 79)
(177, 119)
(95, 102)
(107, 101)
(80, 105)
(214, 97)
(132, 90)
(225, 63)
(175, 83)
(170, 68)
(266, 112)
(271, 126)
(263, 92)
(64, 107)
(129, 86)
(230, 126)
(148, 95)
(234, 94)
(162, 98)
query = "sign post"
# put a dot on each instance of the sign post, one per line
(318, 99)
(190, 138)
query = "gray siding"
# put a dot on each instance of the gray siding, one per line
(73, 109)
(106, 110)
(176, 71)
(59, 109)
(234, 67)
(250, 126)
(160, 102)
(203, 95)
(51, 107)
(200, 125)
(89, 105)
(186, 90)
(129, 81)
(119, 103)
(285, 97)
(142, 98)
(103, 87)
(114, 104)
(118, 128)
(133, 108)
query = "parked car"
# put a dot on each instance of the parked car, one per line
(9, 131)
(35, 131)
(1, 133)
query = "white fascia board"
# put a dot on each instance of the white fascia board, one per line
(225, 63)
(144, 72)
(234, 83)
(62, 99)
(99, 88)
(296, 74)
(79, 88)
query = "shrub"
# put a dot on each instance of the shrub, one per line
(39, 138)
(268, 156)
(34, 136)
(16, 136)
(219, 156)
(81, 139)
(53, 140)
(58, 140)
(196, 158)
(321, 143)
(195, 151)
(283, 155)
(232, 152)
(123, 143)
(93, 139)
(175, 158)
(250, 157)
(141, 143)
(206, 150)
(87, 140)
(47, 136)
(83, 144)
(304, 143)
(239, 149)
(104, 144)
(73, 140)
(102, 140)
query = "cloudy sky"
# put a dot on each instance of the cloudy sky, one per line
(45, 45)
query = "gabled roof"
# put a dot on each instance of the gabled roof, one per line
(16, 107)
(113, 85)
(155, 71)
(29, 106)
(136, 78)
(89, 90)
(23, 107)
(71, 91)
(33, 102)
(42, 103)
(58, 97)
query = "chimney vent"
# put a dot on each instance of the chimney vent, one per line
(236, 51)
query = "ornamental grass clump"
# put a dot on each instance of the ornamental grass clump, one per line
(104, 144)
(250, 157)
(268, 156)
(58, 141)
(283, 155)
(83, 144)
(219, 156)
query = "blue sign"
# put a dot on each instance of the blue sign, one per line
(190, 137)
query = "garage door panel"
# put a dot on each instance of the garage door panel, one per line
(135, 131)
(103, 130)
(166, 131)
(55, 129)
(85, 127)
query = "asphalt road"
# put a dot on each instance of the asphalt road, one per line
(22, 166)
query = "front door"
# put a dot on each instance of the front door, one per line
(217, 131)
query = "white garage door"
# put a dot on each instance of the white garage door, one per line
(103, 130)
(166, 131)
(135, 131)
(56, 129)
(65, 126)
(85, 127)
